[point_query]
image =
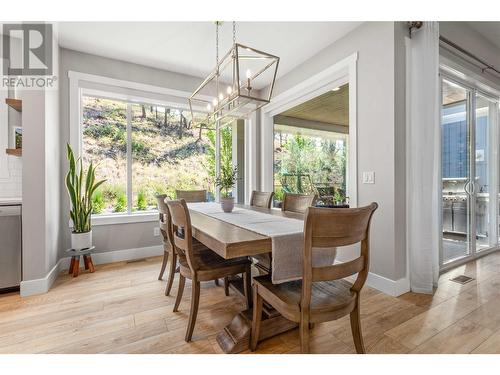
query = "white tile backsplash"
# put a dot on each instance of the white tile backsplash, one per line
(12, 185)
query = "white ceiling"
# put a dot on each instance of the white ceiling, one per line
(490, 30)
(189, 47)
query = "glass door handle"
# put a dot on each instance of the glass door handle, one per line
(467, 188)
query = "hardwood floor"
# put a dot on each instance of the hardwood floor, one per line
(121, 308)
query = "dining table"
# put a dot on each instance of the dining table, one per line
(232, 241)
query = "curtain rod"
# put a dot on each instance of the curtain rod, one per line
(484, 68)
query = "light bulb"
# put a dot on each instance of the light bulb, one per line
(209, 107)
(229, 90)
(249, 74)
(214, 102)
(221, 97)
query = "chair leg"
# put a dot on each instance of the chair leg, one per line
(356, 329)
(247, 286)
(226, 286)
(163, 265)
(257, 317)
(193, 313)
(182, 281)
(304, 336)
(216, 281)
(171, 273)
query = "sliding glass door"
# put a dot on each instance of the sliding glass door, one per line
(469, 140)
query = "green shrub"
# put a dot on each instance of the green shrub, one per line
(121, 202)
(98, 203)
(142, 203)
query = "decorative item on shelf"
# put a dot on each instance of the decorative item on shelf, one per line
(17, 137)
(223, 94)
(81, 185)
(226, 181)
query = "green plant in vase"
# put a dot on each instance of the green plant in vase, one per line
(225, 181)
(81, 186)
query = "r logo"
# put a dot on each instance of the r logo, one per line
(35, 57)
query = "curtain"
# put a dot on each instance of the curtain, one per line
(423, 157)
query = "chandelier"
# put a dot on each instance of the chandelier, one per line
(242, 82)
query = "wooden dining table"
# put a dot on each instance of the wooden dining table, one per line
(231, 241)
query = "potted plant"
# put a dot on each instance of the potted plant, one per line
(226, 181)
(81, 185)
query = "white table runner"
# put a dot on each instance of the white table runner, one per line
(287, 236)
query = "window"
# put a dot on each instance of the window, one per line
(310, 162)
(144, 149)
(311, 148)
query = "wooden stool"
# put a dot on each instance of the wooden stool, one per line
(74, 267)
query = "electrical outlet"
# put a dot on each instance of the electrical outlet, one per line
(156, 231)
(368, 177)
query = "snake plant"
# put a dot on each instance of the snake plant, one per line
(81, 186)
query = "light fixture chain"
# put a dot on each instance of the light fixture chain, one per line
(234, 32)
(217, 44)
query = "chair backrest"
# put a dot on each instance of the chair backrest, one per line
(334, 227)
(297, 202)
(181, 229)
(261, 199)
(164, 220)
(191, 196)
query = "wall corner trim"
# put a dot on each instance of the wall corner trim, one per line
(43, 285)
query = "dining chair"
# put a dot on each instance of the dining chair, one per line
(200, 264)
(261, 199)
(322, 294)
(191, 196)
(297, 202)
(168, 242)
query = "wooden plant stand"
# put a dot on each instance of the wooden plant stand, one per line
(74, 267)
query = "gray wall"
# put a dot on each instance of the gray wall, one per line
(41, 171)
(118, 236)
(375, 43)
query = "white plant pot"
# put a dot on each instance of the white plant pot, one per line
(227, 204)
(80, 241)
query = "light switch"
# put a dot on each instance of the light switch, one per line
(368, 177)
(156, 231)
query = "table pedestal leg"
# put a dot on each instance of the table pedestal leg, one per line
(235, 337)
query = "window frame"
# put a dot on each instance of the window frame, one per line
(83, 84)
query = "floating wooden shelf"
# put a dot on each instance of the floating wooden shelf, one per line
(15, 103)
(14, 151)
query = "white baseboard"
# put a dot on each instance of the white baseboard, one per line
(393, 288)
(30, 287)
(40, 286)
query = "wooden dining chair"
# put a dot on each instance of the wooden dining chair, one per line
(200, 264)
(297, 202)
(191, 196)
(168, 242)
(323, 294)
(261, 199)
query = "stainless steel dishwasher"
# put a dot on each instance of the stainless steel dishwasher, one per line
(10, 247)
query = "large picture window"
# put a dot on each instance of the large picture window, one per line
(144, 149)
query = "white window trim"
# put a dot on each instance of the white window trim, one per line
(342, 72)
(77, 88)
